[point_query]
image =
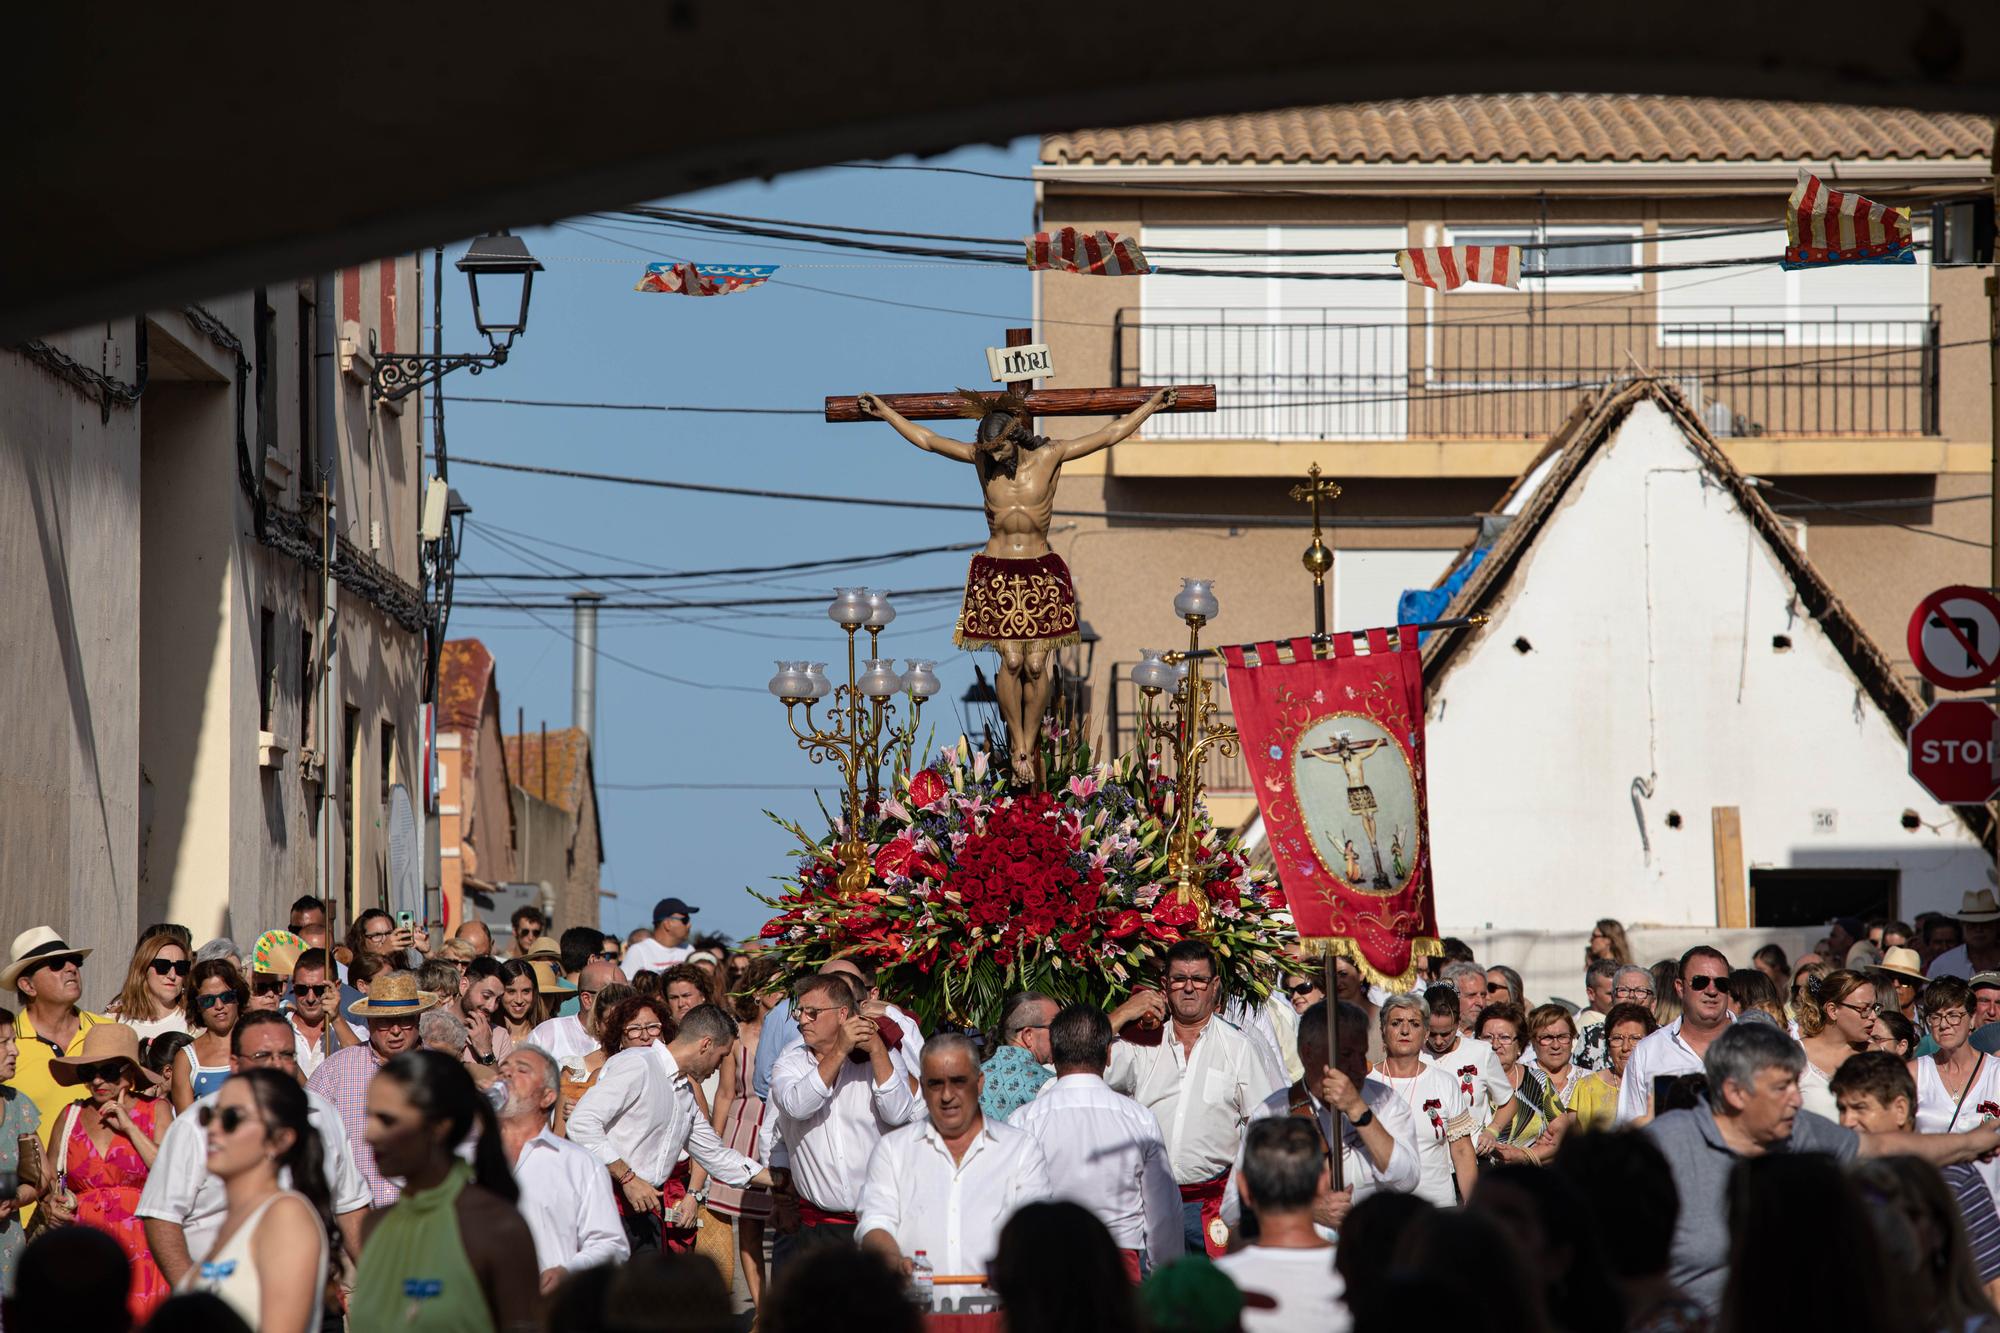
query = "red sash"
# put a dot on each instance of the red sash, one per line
(1209, 1194)
(1131, 1261)
(812, 1215)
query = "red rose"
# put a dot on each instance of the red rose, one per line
(927, 787)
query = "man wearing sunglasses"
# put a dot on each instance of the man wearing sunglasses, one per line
(47, 976)
(1678, 1047)
(183, 1205)
(668, 943)
(312, 1007)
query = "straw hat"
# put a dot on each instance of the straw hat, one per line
(276, 953)
(1977, 905)
(1902, 963)
(548, 977)
(105, 1042)
(33, 947)
(395, 995)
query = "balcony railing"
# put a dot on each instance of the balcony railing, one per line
(1317, 375)
(1223, 774)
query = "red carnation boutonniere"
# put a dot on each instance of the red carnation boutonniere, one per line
(1990, 1108)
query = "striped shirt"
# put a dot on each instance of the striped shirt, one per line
(342, 1078)
(1982, 1221)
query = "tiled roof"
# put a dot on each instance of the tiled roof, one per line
(567, 761)
(465, 674)
(1538, 127)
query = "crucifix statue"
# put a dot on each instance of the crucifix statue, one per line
(1019, 598)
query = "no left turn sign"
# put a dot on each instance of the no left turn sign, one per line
(1955, 638)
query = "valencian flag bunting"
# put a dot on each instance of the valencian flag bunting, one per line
(1835, 227)
(686, 279)
(1335, 748)
(1450, 267)
(1104, 253)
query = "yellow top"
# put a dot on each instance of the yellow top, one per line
(1595, 1102)
(31, 1070)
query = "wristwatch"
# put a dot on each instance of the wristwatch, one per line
(1365, 1119)
(489, 1059)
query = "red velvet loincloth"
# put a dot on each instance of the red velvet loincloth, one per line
(1017, 601)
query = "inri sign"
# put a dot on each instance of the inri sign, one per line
(1030, 361)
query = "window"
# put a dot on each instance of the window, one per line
(1815, 897)
(308, 461)
(1763, 305)
(267, 666)
(388, 764)
(1576, 253)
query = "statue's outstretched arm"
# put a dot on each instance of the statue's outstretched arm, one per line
(1083, 445)
(921, 436)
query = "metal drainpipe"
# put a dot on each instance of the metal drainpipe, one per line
(326, 386)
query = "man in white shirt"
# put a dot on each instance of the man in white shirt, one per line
(1378, 1134)
(313, 996)
(565, 1193)
(668, 943)
(1283, 1172)
(1679, 1047)
(1468, 980)
(945, 1186)
(641, 1114)
(567, 1036)
(183, 1205)
(1202, 1082)
(1468, 1060)
(831, 1110)
(1104, 1150)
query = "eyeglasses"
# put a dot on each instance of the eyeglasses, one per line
(56, 964)
(1702, 981)
(1632, 993)
(108, 1071)
(163, 966)
(807, 1013)
(605, 956)
(312, 992)
(283, 1055)
(268, 985)
(1865, 1010)
(205, 1002)
(681, 917)
(374, 935)
(1947, 1018)
(1554, 1039)
(1495, 1039)
(1495, 987)
(643, 1031)
(232, 1117)
(1189, 983)
(1302, 988)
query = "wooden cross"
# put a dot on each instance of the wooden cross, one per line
(1317, 559)
(1041, 402)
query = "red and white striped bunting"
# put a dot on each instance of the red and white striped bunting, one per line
(1104, 253)
(1451, 266)
(1833, 226)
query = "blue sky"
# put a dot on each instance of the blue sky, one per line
(591, 337)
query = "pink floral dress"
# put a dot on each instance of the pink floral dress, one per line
(107, 1187)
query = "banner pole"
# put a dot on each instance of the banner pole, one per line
(1334, 1146)
(1456, 622)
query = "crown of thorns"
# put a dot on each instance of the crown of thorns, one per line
(977, 405)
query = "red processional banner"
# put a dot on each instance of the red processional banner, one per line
(1335, 748)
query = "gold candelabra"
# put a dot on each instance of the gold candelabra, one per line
(861, 727)
(1193, 726)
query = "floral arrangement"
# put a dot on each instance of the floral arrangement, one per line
(978, 891)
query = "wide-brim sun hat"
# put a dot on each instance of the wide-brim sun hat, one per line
(33, 947)
(549, 979)
(105, 1041)
(1904, 963)
(1978, 905)
(395, 995)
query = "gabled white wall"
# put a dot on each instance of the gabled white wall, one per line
(1649, 604)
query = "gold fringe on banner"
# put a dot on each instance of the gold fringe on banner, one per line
(1318, 948)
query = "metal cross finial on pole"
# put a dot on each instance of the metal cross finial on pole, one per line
(1317, 558)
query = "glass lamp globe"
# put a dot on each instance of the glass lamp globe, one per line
(919, 680)
(880, 613)
(1196, 598)
(790, 682)
(817, 685)
(850, 608)
(879, 680)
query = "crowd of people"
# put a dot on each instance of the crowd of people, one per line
(584, 1133)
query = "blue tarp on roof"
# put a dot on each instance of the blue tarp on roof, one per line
(1418, 606)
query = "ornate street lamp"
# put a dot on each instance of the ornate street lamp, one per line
(501, 274)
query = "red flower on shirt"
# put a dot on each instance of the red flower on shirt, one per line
(1466, 1075)
(1990, 1108)
(1434, 1108)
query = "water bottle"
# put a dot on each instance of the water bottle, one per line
(920, 1280)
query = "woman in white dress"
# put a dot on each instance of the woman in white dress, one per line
(1836, 1016)
(154, 997)
(269, 1260)
(1957, 1087)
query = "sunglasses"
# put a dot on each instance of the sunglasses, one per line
(1700, 983)
(605, 956)
(1301, 987)
(1495, 987)
(110, 1071)
(274, 986)
(312, 992)
(221, 997)
(232, 1117)
(162, 966)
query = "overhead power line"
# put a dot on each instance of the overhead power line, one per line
(818, 599)
(789, 567)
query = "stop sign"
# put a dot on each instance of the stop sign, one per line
(1952, 751)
